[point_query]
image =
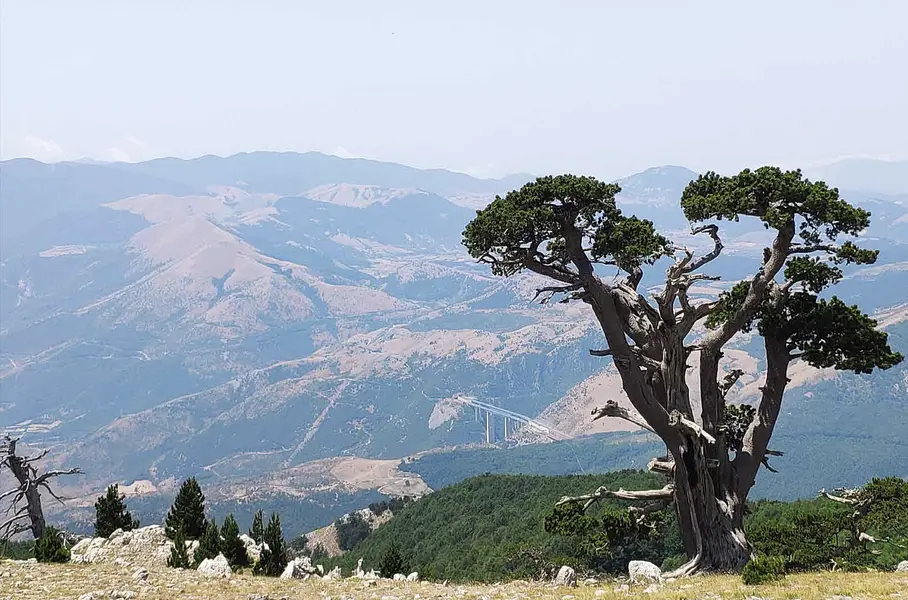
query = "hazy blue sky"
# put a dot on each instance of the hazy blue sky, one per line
(488, 87)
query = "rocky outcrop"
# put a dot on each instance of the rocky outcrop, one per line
(566, 577)
(253, 550)
(299, 568)
(641, 571)
(334, 575)
(144, 547)
(216, 567)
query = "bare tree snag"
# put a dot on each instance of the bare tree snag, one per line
(25, 512)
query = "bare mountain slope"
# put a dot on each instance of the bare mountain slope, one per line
(252, 314)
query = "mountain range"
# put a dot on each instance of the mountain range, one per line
(295, 325)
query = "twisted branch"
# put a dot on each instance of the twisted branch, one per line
(613, 409)
(676, 419)
(666, 493)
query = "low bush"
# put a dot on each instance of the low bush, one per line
(50, 548)
(763, 569)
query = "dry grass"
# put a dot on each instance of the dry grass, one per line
(20, 581)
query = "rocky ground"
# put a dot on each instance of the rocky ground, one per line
(32, 581)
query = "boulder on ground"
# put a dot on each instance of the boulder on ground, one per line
(399, 577)
(299, 568)
(902, 567)
(641, 571)
(215, 567)
(414, 576)
(253, 550)
(566, 577)
(147, 546)
(333, 575)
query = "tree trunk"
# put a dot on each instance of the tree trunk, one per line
(710, 514)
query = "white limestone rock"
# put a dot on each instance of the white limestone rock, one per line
(566, 577)
(216, 567)
(299, 568)
(641, 571)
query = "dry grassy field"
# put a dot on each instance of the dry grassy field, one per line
(21, 581)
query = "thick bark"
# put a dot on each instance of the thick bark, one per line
(712, 526)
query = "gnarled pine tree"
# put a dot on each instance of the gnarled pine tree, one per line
(564, 228)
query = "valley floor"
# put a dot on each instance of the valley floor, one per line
(30, 581)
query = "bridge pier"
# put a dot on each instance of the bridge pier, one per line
(488, 427)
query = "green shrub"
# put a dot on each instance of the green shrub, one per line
(257, 531)
(17, 550)
(50, 548)
(209, 543)
(179, 556)
(187, 512)
(232, 547)
(111, 513)
(391, 562)
(351, 530)
(273, 558)
(764, 569)
(673, 562)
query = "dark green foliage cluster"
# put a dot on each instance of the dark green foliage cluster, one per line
(232, 546)
(763, 569)
(111, 513)
(187, 512)
(492, 527)
(824, 332)
(605, 540)
(394, 505)
(273, 559)
(735, 421)
(391, 562)
(299, 546)
(351, 530)
(318, 554)
(530, 224)
(179, 555)
(17, 550)
(50, 547)
(209, 543)
(257, 530)
(495, 527)
(821, 534)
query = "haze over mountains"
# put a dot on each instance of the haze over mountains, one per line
(252, 314)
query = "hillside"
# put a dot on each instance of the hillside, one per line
(257, 316)
(479, 529)
(494, 527)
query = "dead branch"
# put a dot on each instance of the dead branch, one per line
(666, 493)
(613, 409)
(641, 512)
(730, 379)
(676, 419)
(556, 289)
(713, 231)
(664, 465)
